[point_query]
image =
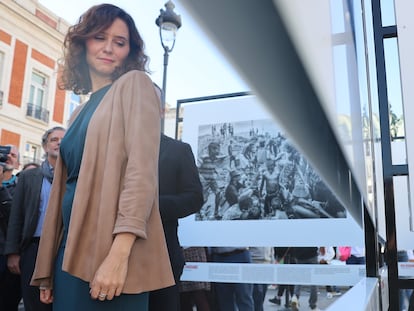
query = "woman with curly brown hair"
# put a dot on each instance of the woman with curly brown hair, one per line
(103, 245)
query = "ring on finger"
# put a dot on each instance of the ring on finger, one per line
(102, 295)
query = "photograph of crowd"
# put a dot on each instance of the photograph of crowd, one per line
(249, 170)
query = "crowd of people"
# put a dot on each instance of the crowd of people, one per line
(290, 294)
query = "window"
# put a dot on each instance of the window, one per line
(1, 76)
(395, 102)
(36, 108)
(74, 102)
(32, 153)
(1, 66)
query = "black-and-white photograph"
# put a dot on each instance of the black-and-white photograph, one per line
(274, 188)
(250, 170)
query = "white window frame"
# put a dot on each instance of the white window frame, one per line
(38, 87)
(32, 153)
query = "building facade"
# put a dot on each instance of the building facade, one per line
(31, 39)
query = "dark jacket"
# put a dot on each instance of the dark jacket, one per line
(5, 204)
(304, 252)
(180, 193)
(6, 195)
(24, 214)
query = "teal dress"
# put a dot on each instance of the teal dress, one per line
(71, 293)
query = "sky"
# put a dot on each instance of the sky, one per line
(196, 68)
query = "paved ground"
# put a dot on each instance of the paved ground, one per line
(323, 301)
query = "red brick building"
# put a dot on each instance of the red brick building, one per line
(31, 40)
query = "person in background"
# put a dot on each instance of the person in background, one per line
(26, 218)
(325, 256)
(233, 296)
(5, 201)
(405, 293)
(270, 183)
(232, 158)
(108, 248)
(411, 302)
(305, 255)
(234, 187)
(12, 164)
(262, 255)
(195, 294)
(282, 256)
(357, 256)
(4, 213)
(10, 292)
(410, 255)
(30, 165)
(209, 168)
(180, 195)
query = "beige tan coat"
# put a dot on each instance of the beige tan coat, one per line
(117, 191)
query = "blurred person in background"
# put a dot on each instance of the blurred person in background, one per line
(10, 291)
(26, 218)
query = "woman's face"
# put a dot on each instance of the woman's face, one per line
(106, 51)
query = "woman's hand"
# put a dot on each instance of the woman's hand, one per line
(110, 277)
(46, 296)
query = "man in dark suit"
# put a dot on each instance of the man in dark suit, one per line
(26, 218)
(180, 195)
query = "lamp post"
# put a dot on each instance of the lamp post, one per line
(168, 22)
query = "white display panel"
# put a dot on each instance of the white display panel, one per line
(405, 28)
(362, 297)
(304, 274)
(203, 123)
(305, 72)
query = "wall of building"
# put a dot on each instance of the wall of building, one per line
(169, 122)
(31, 40)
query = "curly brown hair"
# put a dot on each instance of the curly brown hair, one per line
(75, 75)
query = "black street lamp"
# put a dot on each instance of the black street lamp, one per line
(168, 22)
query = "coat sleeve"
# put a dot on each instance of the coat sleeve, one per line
(188, 197)
(141, 118)
(16, 219)
(5, 204)
(52, 231)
